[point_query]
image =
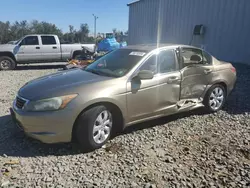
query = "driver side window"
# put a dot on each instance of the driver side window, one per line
(150, 64)
(30, 40)
(163, 62)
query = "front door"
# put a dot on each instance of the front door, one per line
(29, 50)
(157, 96)
(196, 73)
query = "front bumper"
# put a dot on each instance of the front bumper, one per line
(47, 127)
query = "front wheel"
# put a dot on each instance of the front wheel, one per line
(215, 98)
(7, 63)
(93, 127)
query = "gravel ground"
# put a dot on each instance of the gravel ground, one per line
(187, 150)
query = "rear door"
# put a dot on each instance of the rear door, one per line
(50, 48)
(29, 50)
(157, 96)
(195, 75)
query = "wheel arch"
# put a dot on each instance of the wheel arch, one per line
(76, 52)
(224, 85)
(115, 110)
(8, 54)
(221, 82)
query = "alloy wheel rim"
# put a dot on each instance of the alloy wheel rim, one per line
(216, 98)
(5, 64)
(102, 127)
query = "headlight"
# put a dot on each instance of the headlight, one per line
(50, 104)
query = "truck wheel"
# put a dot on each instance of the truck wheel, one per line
(215, 98)
(7, 63)
(93, 128)
(77, 56)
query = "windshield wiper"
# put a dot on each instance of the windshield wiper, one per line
(101, 73)
(92, 71)
(109, 75)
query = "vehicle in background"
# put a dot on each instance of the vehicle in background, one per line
(110, 43)
(38, 49)
(83, 60)
(12, 42)
(124, 87)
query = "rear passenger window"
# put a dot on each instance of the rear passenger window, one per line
(48, 40)
(207, 58)
(189, 56)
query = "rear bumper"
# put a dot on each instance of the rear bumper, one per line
(232, 86)
(53, 127)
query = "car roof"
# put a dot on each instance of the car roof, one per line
(40, 35)
(153, 46)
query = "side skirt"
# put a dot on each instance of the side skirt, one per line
(182, 106)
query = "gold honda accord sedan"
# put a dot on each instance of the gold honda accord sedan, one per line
(124, 87)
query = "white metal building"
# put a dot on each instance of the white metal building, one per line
(226, 25)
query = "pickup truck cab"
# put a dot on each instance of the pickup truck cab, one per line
(39, 49)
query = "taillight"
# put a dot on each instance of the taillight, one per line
(233, 69)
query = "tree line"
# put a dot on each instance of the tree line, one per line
(14, 31)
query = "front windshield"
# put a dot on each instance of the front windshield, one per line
(116, 63)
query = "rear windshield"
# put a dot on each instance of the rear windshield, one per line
(116, 63)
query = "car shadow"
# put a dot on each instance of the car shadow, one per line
(163, 120)
(238, 101)
(13, 142)
(16, 144)
(40, 66)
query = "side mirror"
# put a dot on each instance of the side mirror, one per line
(145, 75)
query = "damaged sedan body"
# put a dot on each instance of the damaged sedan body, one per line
(126, 86)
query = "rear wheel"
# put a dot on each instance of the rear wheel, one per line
(77, 56)
(215, 98)
(93, 127)
(7, 63)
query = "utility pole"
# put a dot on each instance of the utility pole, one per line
(95, 18)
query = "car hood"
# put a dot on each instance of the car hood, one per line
(58, 84)
(6, 47)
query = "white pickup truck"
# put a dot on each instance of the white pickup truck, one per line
(39, 49)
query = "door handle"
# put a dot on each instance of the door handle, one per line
(173, 79)
(54, 47)
(207, 71)
(37, 47)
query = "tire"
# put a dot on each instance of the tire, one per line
(85, 135)
(77, 56)
(215, 98)
(7, 63)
